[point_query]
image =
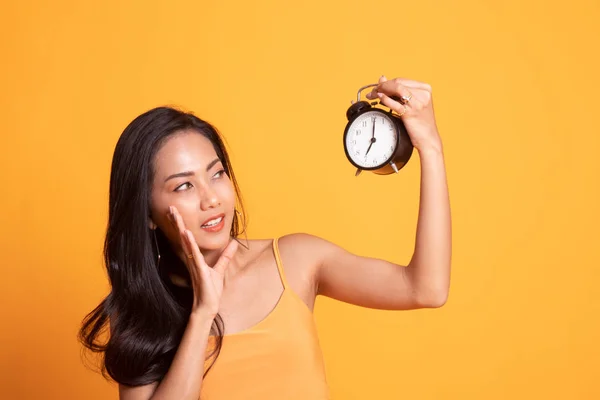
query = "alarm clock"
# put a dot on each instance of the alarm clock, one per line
(375, 139)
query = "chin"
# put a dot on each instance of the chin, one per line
(215, 240)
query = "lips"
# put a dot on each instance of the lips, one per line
(212, 220)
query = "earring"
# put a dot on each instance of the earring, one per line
(157, 249)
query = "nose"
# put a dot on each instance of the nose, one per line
(209, 200)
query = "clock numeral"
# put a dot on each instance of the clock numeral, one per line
(358, 132)
(357, 153)
(354, 142)
(364, 124)
(391, 148)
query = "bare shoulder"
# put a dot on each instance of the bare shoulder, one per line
(308, 247)
(301, 255)
(300, 246)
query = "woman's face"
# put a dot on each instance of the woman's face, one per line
(190, 176)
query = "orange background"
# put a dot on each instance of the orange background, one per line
(516, 93)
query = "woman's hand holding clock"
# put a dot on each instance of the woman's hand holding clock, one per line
(412, 101)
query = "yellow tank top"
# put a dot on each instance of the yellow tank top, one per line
(278, 358)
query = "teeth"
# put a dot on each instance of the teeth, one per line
(213, 222)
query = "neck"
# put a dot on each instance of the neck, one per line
(211, 257)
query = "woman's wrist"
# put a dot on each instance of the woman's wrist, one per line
(202, 318)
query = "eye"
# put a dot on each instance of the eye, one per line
(178, 188)
(219, 174)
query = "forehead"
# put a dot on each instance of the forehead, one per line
(184, 151)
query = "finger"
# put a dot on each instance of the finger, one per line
(186, 247)
(409, 83)
(195, 257)
(173, 217)
(177, 221)
(393, 105)
(394, 89)
(373, 93)
(226, 257)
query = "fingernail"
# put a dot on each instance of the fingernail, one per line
(380, 95)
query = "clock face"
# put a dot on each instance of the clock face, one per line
(371, 139)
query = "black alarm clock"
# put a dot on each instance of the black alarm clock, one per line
(375, 139)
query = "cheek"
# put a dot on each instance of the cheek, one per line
(156, 209)
(227, 195)
(159, 208)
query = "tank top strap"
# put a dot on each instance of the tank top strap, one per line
(279, 263)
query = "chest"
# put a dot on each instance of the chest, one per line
(251, 298)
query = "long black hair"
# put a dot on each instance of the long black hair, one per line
(145, 314)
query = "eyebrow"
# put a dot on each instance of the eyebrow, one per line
(191, 173)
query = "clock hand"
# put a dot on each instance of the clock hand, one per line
(373, 128)
(373, 139)
(369, 148)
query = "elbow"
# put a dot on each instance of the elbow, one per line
(439, 301)
(430, 289)
(433, 299)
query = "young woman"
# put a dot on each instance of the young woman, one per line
(192, 314)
